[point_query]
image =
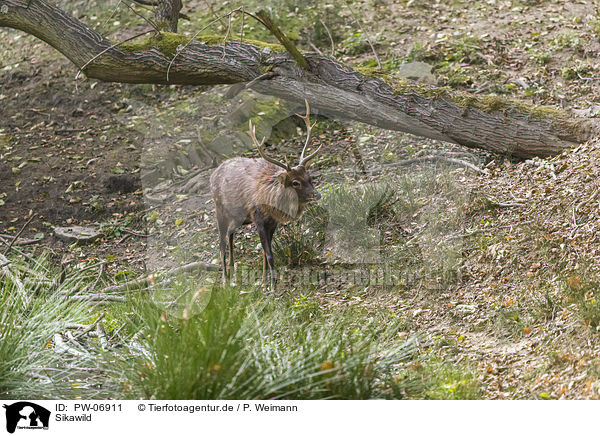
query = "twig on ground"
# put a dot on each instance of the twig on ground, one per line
(25, 255)
(150, 280)
(124, 238)
(61, 346)
(71, 339)
(492, 202)
(75, 326)
(67, 130)
(363, 31)
(19, 233)
(330, 38)
(315, 48)
(99, 297)
(4, 262)
(99, 276)
(501, 204)
(416, 234)
(20, 242)
(138, 234)
(427, 159)
(90, 327)
(463, 163)
(457, 154)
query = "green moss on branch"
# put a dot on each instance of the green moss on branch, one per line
(167, 43)
(488, 103)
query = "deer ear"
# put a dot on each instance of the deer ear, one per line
(307, 165)
(283, 179)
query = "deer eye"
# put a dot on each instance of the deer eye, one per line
(296, 184)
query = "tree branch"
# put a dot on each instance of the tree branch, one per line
(265, 19)
(496, 125)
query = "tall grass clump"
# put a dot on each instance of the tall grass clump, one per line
(34, 308)
(242, 347)
(302, 242)
(358, 219)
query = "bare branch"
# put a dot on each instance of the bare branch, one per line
(147, 20)
(330, 37)
(267, 75)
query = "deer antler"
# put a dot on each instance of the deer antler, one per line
(261, 149)
(306, 118)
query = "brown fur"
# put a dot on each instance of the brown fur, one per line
(254, 190)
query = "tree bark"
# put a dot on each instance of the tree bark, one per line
(167, 14)
(499, 127)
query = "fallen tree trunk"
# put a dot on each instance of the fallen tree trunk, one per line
(489, 123)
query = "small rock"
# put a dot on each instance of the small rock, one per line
(592, 111)
(419, 71)
(77, 234)
(466, 308)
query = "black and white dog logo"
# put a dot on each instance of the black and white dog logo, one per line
(26, 415)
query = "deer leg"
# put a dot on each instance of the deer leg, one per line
(231, 264)
(267, 255)
(222, 227)
(264, 267)
(271, 225)
(223, 251)
(266, 227)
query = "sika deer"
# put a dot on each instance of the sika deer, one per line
(262, 191)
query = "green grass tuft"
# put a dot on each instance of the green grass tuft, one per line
(240, 347)
(34, 308)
